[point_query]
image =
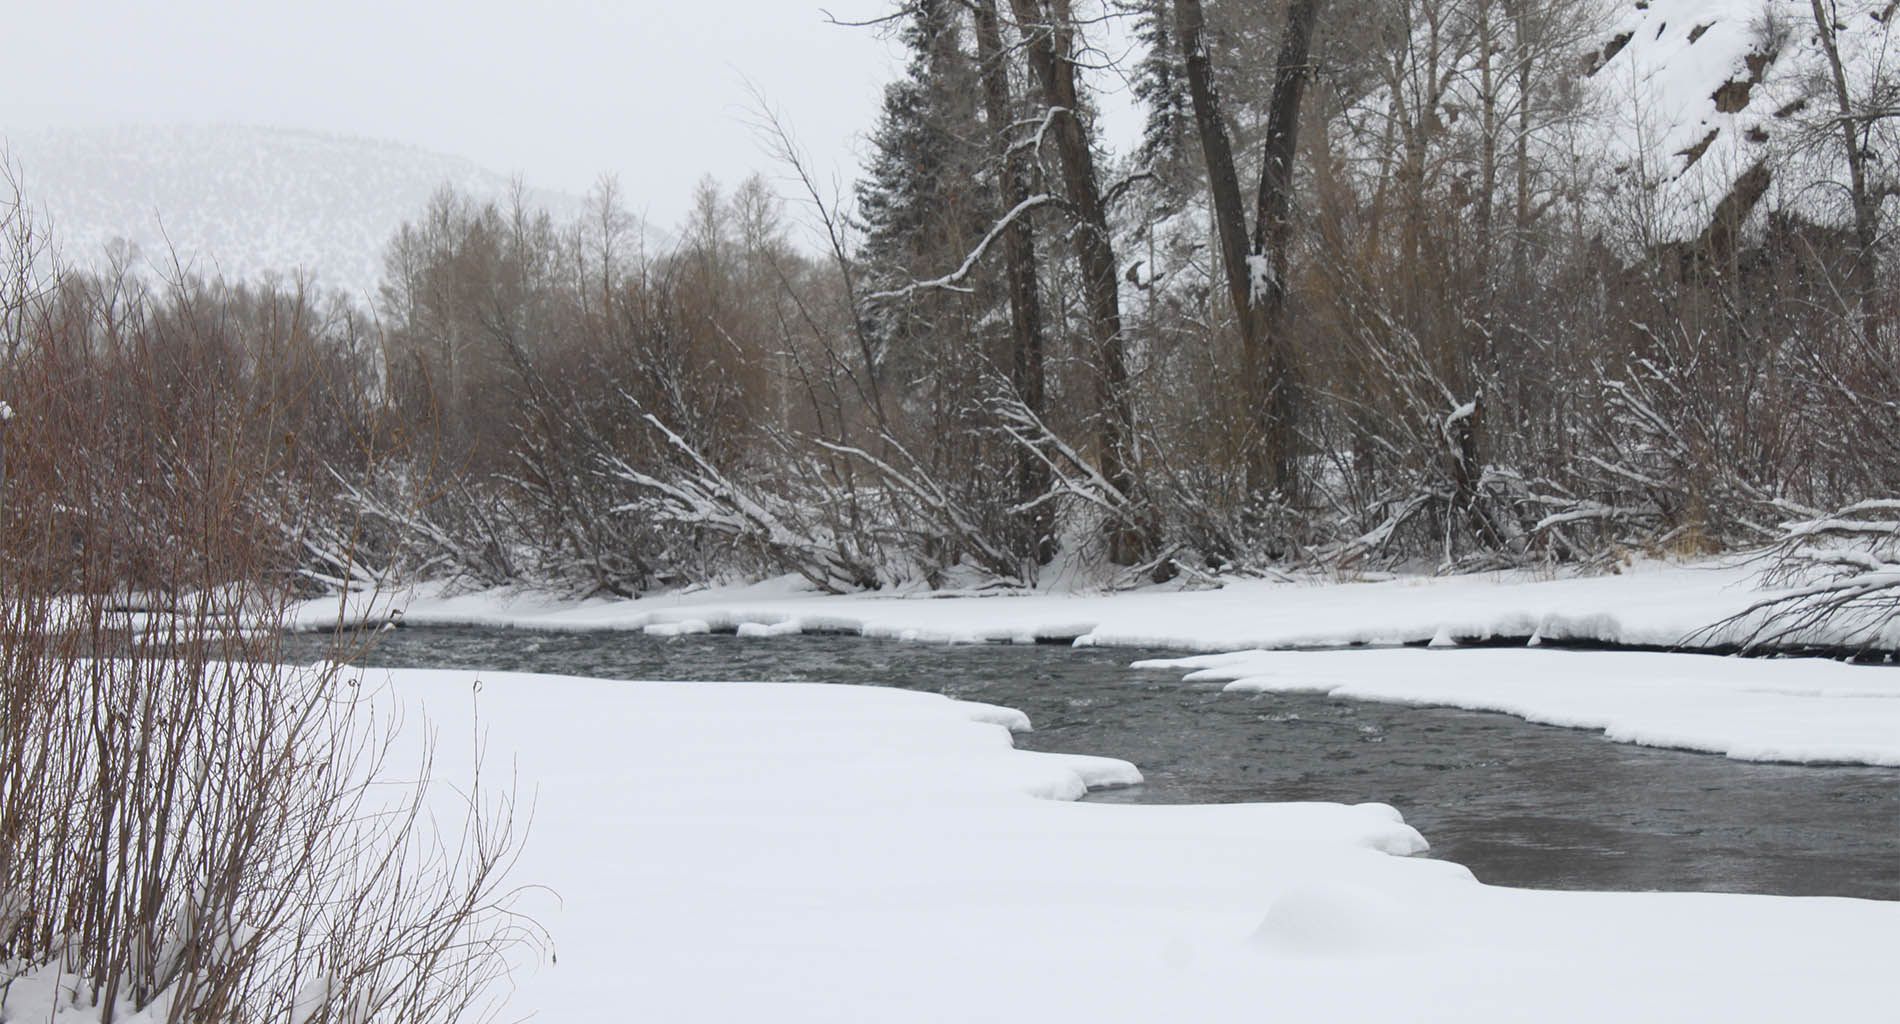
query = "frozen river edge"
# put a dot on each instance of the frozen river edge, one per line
(812, 852)
(840, 853)
(1788, 710)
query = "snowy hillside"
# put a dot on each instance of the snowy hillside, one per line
(243, 201)
(1697, 94)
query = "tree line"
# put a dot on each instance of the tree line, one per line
(1452, 330)
(1441, 335)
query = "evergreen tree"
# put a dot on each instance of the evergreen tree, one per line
(928, 195)
(1160, 84)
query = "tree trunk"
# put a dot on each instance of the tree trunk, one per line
(1025, 301)
(1488, 138)
(1273, 235)
(1521, 215)
(1048, 34)
(1256, 275)
(1866, 228)
(1223, 181)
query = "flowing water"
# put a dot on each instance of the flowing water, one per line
(1519, 804)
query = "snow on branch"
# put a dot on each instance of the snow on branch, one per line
(1461, 414)
(953, 280)
(1845, 524)
(1043, 124)
(1844, 572)
(934, 501)
(1073, 473)
(1260, 278)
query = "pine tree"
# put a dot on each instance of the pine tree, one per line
(1160, 84)
(928, 194)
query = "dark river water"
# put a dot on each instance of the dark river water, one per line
(1519, 804)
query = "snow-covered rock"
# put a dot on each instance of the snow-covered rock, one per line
(1693, 95)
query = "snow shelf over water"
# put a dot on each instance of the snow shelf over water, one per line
(1799, 710)
(1802, 710)
(1656, 605)
(789, 852)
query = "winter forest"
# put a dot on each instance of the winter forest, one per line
(1467, 297)
(1439, 284)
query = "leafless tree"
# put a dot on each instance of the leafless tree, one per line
(1256, 272)
(1049, 43)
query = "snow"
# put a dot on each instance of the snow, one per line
(1260, 278)
(1674, 147)
(797, 852)
(310, 999)
(1458, 415)
(1788, 710)
(1656, 604)
(1648, 604)
(47, 995)
(1800, 710)
(733, 851)
(809, 852)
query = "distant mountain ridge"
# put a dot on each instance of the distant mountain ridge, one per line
(238, 200)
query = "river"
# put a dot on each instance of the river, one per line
(1519, 804)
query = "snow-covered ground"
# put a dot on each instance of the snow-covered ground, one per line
(800, 852)
(793, 852)
(1791, 710)
(1655, 604)
(1779, 710)
(805, 852)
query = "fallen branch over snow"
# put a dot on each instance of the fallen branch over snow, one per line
(1847, 569)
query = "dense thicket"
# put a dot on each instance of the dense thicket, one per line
(1453, 327)
(191, 830)
(1465, 322)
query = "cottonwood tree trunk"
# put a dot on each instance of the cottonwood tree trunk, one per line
(1521, 214)
(1866, 205)
(1048, 37)
(1019, 250)
(1256, 274)
(1487, 137)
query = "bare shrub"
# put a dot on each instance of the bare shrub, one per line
(189, 829)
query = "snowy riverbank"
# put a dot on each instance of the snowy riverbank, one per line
(1650, 604)
(1796, 710)
(800, 852)
(1784, 710)
(816, 853)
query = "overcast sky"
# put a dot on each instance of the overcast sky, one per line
(559, 91)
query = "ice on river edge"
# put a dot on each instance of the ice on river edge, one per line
(800, 852)
(807, 852)
(1802, 711)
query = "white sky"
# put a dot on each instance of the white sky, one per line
(559, 91)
